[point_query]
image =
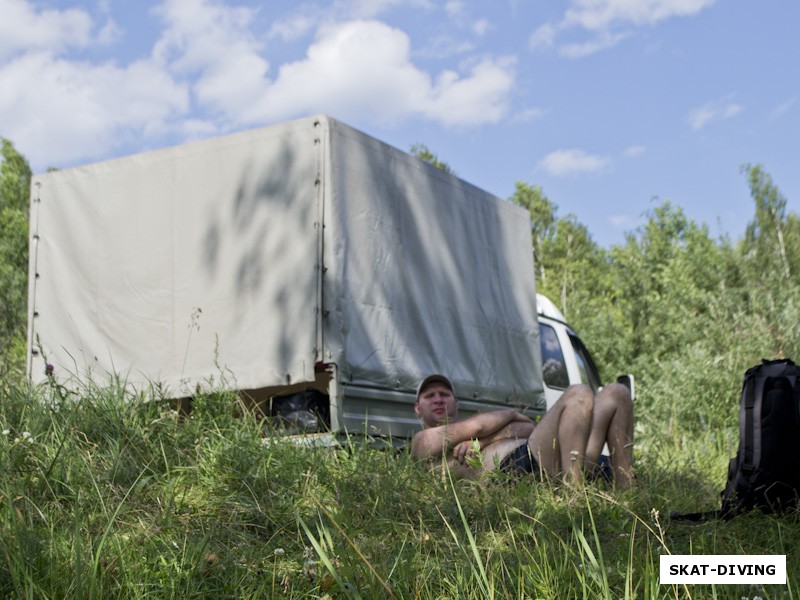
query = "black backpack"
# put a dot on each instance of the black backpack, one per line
(765, 473)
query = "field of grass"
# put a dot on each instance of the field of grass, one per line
(107, 494)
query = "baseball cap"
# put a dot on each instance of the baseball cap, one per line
(435, 378)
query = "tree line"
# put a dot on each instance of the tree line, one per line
(686, 312)
(15, 185)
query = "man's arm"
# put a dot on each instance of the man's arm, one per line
(437, 440)
(519, 429)
(516, 430)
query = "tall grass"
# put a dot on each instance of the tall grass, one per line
(108, 493)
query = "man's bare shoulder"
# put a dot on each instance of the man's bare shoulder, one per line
(428, 442)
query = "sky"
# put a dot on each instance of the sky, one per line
(610, 106)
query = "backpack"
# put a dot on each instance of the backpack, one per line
(765, 473)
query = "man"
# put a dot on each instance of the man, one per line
(568, 439)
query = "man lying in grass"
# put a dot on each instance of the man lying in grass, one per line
(566, 442)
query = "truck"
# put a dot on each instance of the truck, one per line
(305, 259)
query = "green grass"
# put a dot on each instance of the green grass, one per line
(115, 496)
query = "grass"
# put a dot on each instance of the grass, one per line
(114, 495)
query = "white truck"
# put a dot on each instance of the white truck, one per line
(301, 256)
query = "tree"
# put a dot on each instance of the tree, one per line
(770, 266)
(422, 152)
(15, 178)
(672, 276)
(15, 182)
(764, 245)
(567, 258)
(543, 220)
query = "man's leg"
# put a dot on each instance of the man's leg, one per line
(612, 424)
(559, 440)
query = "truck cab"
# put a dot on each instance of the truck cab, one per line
(565, 358)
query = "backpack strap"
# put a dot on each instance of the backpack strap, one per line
(752, 390)
(698, 517)
(753, 418)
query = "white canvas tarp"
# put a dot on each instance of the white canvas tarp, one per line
(254, 256)
(182, 265)
(427, 273)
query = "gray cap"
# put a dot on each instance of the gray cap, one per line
(435, 378)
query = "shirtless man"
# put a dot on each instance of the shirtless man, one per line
(568, 439)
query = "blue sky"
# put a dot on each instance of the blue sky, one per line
(611, 106)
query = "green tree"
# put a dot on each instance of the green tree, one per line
(576, 260)
(15, 178)
(15, 181)
(574, 272)
(770, 263)
(668, 271)
(765, 244)
(422, 152)
(543, 221)
(582, 282)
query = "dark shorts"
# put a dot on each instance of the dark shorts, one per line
(520, 462)
(603, 470)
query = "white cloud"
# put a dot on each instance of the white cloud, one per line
(609, 21)
(359, 68)
(360, 65)
(110, 33)
(782, 109)
(59, 110)
(214, 44)
(208, 73)
(634, 151)
(481, 27)
(622, 221)
(529, 114)
(24, 29)
(308, 17)
(572, 161)
(443, 47)
(66, 111)
(543, 37)
(198, 33)
(454, 8)
(482, 97)
(599, 15)
(363, 68)
(602, 41)
(292, 28)
(718, 110)
(368, 9)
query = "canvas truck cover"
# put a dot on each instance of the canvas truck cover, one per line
(254, 257)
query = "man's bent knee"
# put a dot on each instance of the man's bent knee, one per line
(618, 393)
(578, 396)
